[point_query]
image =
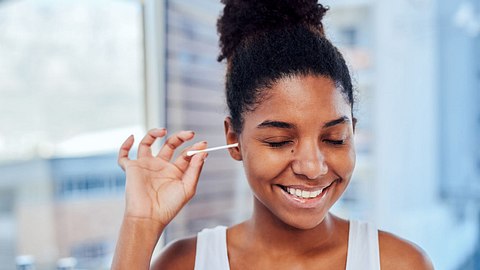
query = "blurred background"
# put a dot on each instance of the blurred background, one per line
(78, 77)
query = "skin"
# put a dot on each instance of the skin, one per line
(157, 187)
(300, 136)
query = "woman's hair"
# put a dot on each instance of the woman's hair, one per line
(264, 41)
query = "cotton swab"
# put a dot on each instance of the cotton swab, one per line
(193, 152)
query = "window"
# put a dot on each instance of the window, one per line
(71, 90)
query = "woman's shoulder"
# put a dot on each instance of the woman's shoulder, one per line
(179, 254)
(398, 253)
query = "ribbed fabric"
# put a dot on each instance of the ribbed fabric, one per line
(212, 249)
(363, 252)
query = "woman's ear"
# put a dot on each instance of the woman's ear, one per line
(354, 120)
(232, 137)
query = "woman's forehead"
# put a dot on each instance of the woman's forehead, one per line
(303, 97)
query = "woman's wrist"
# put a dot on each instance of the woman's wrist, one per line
(147, 226)
(137, 240)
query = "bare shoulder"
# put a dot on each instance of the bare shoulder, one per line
(179, 254)
(398, 253)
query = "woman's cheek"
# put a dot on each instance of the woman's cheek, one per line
(265, 165)
(344, 163)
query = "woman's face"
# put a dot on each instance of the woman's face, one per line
(297, 148)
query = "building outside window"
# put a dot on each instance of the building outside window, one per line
(71, 89)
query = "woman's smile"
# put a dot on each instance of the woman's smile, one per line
(304, 196)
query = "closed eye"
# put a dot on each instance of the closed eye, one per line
(278, 144)
(335, 142)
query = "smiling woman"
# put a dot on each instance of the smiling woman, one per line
(290, 100)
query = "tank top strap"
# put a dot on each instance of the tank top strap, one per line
(363, 250)
(211, 251)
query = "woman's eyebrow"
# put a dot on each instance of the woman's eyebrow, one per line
(276, 124)
(341, 120)
(286, 125)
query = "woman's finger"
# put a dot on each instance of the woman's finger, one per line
(144, 149)
(192, 173)
(183, 160)
(173, 142)
(124, 150)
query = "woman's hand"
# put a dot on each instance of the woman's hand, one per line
(156, 187)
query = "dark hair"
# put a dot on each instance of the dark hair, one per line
(267, 40)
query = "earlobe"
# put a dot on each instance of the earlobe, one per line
(232, 137)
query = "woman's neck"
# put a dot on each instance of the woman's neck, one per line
(270, 233)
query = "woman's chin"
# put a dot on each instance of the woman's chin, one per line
(303, 223)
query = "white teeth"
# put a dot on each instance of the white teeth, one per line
(303, 193)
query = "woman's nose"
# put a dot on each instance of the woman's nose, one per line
(309, 161)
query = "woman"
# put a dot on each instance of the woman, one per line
(290, 99)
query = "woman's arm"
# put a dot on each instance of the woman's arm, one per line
(136, 243)
(156, 190)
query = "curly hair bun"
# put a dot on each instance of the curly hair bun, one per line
(244, 18)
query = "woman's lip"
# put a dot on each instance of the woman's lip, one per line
(298, 202)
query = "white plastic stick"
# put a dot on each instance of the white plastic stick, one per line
(193, 152)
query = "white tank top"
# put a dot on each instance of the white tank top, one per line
(363, 252)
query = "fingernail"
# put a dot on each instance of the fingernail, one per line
(200, 143)
(161, 130)
(187, 132)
